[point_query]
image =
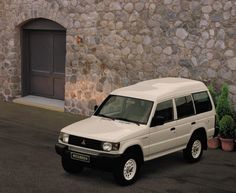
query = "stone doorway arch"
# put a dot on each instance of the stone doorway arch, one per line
(43, 58)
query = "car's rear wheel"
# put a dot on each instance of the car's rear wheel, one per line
(71, 166)
(127, 169)
(194, 149)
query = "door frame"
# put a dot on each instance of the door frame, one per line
(34, 24)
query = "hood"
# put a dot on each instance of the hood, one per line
(105, 129)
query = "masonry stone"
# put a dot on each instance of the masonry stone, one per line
(217, 5)
(115, 6)
(168, 50)
(206, 9)
(228, 5)
(232, 63)
(226, 15)
(181, 33)
(229, 53)
(166, 2)
(129, 7)
(210, 43)
(220, 44)
(232, 89)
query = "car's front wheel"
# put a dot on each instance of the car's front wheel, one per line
(71, 166)
(127, 169)
(194, 149)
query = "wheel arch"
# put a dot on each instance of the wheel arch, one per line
(135, 149)
(201, 131)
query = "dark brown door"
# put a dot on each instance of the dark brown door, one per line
(47, 63)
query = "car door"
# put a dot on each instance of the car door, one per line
(185, 120)
(161, 136)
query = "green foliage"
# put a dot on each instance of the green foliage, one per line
(213, 93)
(223, 106)
(224, 91)
(227, 126)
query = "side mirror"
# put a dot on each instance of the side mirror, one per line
(95, 107)
(157, 120)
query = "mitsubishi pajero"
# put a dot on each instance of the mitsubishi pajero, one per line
(138, 123)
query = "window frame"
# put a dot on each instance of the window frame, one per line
(194, 110)
(204, 91)
(173, 109)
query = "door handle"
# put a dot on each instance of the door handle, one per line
(193, 123)
(172, 129)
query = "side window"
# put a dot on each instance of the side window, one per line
(184, 106)
(165, 109)
(202, 102)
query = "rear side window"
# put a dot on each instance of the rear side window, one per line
(165, 109)
(202, 102)
(184, 106)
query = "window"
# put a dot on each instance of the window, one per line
(126, 109)
(165, 109)
(184, 106)
(202, 102)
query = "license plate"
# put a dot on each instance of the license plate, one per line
(80, 157)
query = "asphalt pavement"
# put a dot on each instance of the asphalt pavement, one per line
(29, 164)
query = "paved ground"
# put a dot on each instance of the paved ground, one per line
(28, 163)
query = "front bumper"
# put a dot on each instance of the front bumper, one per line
(100, 160)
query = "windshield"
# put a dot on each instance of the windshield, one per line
(126, 109)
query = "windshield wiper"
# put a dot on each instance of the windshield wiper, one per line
(102, 115)
(127, 120)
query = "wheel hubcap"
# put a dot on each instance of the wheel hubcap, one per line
(130, 169)
(196, 149)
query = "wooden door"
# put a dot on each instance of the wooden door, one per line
(47, 63)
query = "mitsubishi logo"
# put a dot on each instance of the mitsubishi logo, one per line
(83, 142)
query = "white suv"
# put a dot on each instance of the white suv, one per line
(138, 123)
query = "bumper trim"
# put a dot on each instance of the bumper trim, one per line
(60, 148)
(103, 161)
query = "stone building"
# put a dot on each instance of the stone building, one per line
(80, 50)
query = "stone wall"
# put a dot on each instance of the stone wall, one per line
(123, 42)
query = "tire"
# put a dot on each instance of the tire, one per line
(194, 149)
(127, 169)
(71, 166)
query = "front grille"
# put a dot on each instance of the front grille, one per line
(84, 142)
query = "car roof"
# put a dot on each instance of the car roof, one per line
(161, 88)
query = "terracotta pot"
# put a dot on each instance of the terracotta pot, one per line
(227, 144)
(213, 143)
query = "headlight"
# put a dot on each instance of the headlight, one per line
(107, 146)
(64, 137)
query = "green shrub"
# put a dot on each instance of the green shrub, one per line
(223, 106)
(213, 93)
(227, 126)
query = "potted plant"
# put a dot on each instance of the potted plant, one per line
(227, 126)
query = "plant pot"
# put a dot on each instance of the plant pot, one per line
(227, 144)
(213, 143)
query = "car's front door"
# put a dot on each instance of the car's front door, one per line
(162, 136)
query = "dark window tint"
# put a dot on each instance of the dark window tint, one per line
(184, 106)
(202, 102)
(165, 109)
